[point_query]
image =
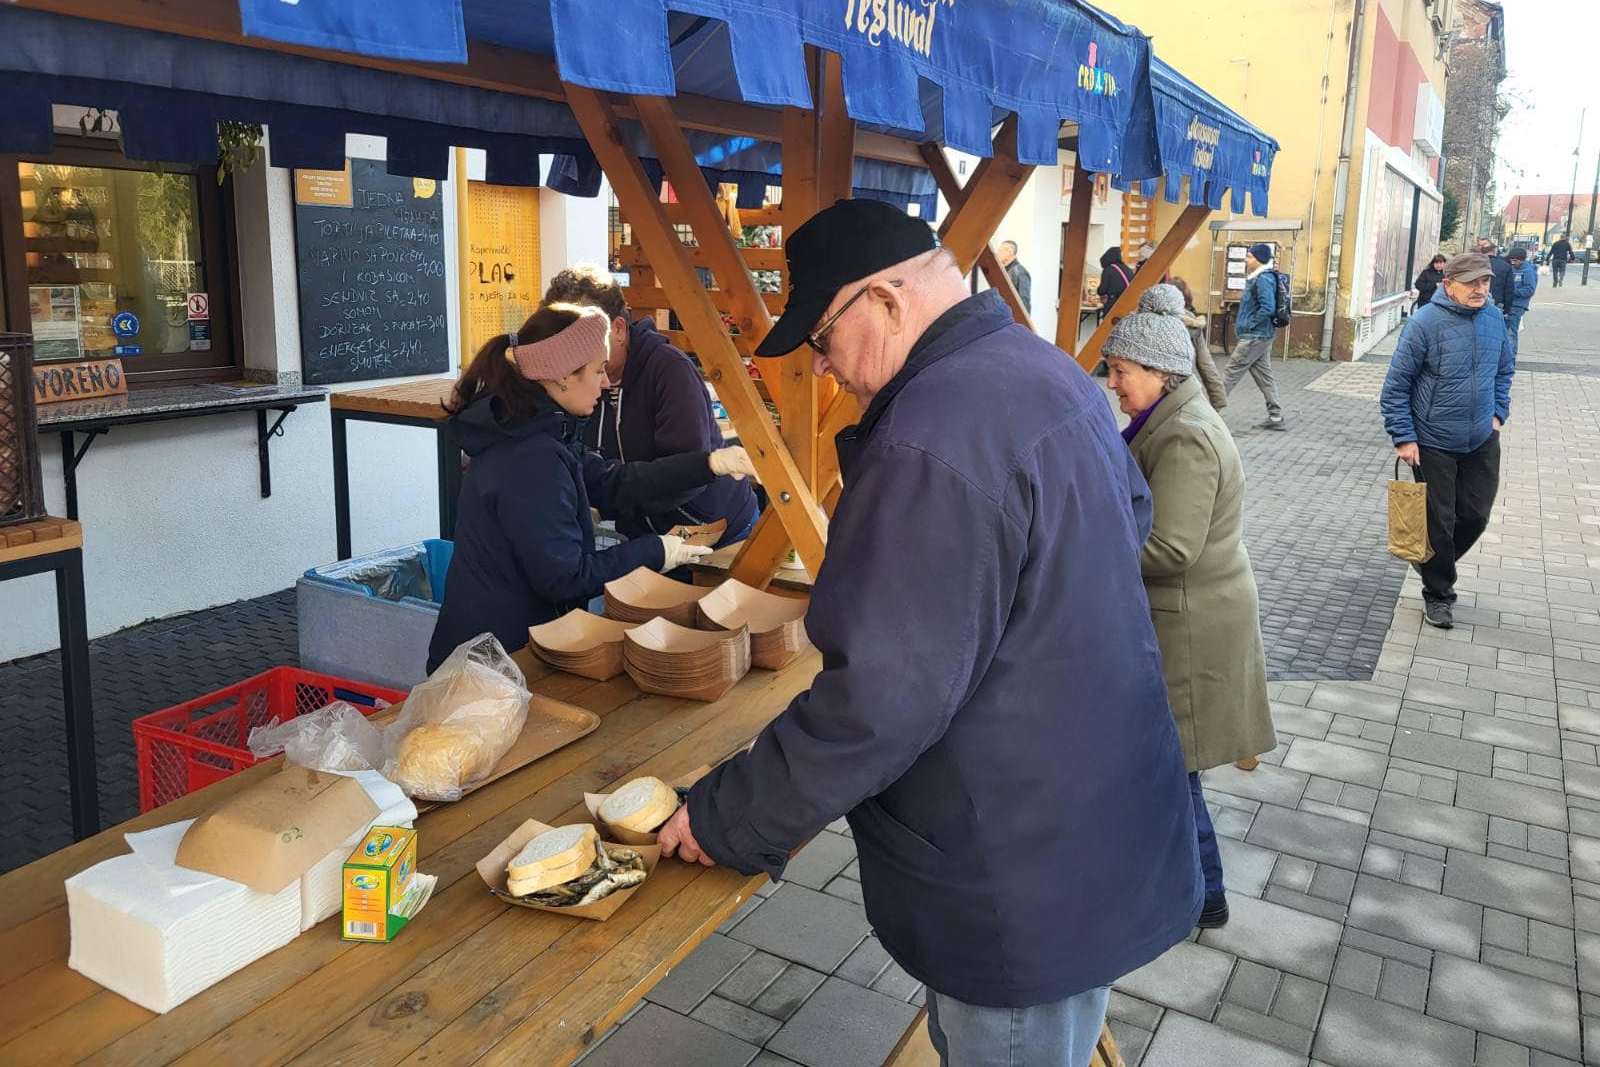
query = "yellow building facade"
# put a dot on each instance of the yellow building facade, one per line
(1286, 65)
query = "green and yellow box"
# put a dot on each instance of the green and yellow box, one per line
(376, 876)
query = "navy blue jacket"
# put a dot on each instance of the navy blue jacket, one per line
(1500, 288)
(524, 549)
(1450, 376)
(1256, 306)
(1522, 283)
(661, 408)
(991, 712)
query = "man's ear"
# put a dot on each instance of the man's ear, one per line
(894, 302)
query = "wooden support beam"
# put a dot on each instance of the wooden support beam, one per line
(1187, 225)
(488, 66)
(791, 498)
(843, 412)
(802, 158)
(988, 262)
(648, 298)
(836, 136)
(1074, 259)
(995, 186)
(633, 255)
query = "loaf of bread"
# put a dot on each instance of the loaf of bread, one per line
(435, 758)
(641, 806)
(554, 857)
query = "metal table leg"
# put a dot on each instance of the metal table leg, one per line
(449, 456)
(76, 695)
(341, 483)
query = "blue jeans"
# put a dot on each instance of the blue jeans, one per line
(1059, 1034)
(1514, 326)
(1206, 834)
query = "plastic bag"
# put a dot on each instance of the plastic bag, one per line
(458, 723)
(334, 738)
(392, 575)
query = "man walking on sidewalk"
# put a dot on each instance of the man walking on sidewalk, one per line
(1255, 329)
(1447, 395)
(1520, 288)
(1560, 255)
(1500, 266)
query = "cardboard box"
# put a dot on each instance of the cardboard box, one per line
(492, 869)
(592, 801)
(376, 877)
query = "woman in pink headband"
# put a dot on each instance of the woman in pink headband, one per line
(524, 549)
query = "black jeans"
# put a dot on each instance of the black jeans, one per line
(1461, 490)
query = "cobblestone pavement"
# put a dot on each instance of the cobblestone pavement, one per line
(134, 672)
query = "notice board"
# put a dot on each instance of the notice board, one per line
(503, 284)
(372, 281)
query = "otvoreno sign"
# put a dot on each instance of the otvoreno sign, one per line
(55, 382)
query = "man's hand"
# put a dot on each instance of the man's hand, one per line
(676, 838)
(1410, 453)
(1497, 423)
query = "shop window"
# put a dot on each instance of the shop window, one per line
(102, 257)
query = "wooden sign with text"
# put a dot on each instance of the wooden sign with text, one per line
(55, 382)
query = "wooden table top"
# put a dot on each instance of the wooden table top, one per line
(417, 400)
(471, 980)
(27, 539)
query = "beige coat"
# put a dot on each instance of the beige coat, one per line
(1202, 592)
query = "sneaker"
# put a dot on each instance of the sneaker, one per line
(1275, 423)
(1437, 613)
(1215, 912)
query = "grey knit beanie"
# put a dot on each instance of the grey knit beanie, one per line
(1154, 336)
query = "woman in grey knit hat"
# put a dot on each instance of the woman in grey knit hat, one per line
(1196, 572)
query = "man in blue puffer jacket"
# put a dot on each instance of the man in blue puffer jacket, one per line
(1520, 287)
(1447, 395)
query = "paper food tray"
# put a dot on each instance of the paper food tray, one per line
(492, 869)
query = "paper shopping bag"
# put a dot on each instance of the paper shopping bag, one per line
(1408, 519)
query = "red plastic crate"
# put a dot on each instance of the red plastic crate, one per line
(191, 745)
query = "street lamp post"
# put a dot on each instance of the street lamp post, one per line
(1592, 198)
(1572, 193)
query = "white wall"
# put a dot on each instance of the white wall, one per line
(172, 512)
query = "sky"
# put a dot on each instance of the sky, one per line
(1550, 79)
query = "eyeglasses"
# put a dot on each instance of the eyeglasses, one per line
(818, 339)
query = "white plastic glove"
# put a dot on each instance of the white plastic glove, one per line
(734, 462)
(676, 551)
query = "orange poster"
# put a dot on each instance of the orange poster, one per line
(330, 188)
(503, 283)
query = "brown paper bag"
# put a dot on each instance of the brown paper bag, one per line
(276, 829)
(1408, 519)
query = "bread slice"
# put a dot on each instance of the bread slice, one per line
(641, 806)
(555, 856)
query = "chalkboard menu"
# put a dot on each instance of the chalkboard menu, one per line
(372, 287)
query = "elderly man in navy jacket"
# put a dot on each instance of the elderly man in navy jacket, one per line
(1446, 396)
(990, 714)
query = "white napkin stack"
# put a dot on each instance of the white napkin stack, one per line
(158, 933)
(322, 887)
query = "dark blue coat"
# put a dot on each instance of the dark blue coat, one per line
(524, 548)
(1256, 306)
(661, 408)
(1450, 376)
(1522, 283)
(991, 712)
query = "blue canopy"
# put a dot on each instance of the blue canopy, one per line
(945, 71)
(1201, 139)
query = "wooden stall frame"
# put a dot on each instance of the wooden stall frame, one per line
(1185, 227)
(956, 195)
(1074, 259)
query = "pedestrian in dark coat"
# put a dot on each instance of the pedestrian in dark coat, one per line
(1500, 267)
(656, 406)
(524, 545)
(1446, 396)
(1114, 278)
(990, 715)
(1560, 256)
(1427, 282)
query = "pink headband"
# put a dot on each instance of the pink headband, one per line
(582, 342)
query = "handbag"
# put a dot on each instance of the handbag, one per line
(1408, 518)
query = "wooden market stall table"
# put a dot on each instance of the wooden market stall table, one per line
(713, 570)
(56, 545)
(471, 980)
(419, 404)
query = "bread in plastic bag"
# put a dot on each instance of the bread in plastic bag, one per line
(457, 723)
(337, 737)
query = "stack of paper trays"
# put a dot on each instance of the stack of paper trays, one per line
(581, 643)
(644, 595)
(663, 657)
(777, 623)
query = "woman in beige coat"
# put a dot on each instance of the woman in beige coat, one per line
(1196, 572)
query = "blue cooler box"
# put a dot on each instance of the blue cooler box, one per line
(370, 619)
